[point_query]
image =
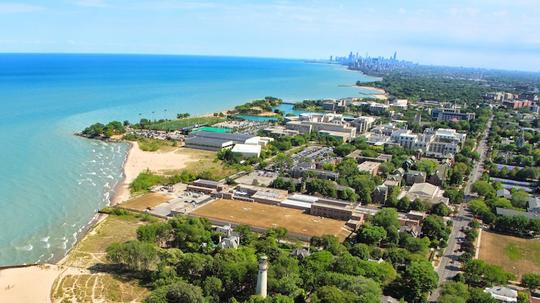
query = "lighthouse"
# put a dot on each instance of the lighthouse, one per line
(262, 277)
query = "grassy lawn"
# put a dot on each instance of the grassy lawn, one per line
(516, 255)
(186, 122)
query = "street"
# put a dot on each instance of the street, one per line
(449, 266)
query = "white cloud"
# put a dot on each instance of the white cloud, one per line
(9, 8)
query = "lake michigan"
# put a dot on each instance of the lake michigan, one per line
(52, 183)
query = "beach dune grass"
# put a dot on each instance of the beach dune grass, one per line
(513, 254)
(81, 284)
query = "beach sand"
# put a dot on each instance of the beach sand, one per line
(28, 284)
(138, 161)
(379, 92)
(19, 284)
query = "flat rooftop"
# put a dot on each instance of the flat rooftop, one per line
(267, 216)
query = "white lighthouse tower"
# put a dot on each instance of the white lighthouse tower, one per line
(262, 277)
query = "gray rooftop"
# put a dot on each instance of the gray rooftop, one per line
(221, 136)
(514, 213)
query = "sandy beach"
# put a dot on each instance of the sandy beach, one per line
(28, 284)
(16, 282)
(138, 161)
(379, 92)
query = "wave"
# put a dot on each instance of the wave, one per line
(45, 239)
(27, 247)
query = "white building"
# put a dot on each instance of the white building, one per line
(247, 150)
(400, 103)
(425, 192)
(330, 124)
(502, 293)
(441, 143)
(363, 123)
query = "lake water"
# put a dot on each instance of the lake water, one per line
(52, 183)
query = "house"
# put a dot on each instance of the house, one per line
(502, 293)
(300, 253)
(380, 194)
(504, 193)
(414, 176)
(425, 192)
(369, 166)
(439, 177)
(534, 204)
(230, 242)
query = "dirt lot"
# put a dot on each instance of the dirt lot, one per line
(145, 201)
(514, 254)
(267, 216)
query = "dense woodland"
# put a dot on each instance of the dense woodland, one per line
(180, 260)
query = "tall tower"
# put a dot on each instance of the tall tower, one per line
(262, 277)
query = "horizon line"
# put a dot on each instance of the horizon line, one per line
(252, 57)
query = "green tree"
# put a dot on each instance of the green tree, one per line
(179, 292)
(371, 234)
(344, 149)
(134, 255)
(427, 166)
(440, 209)
(483, 188)
(481, 274)
(477, 295)
(530, 280)
(419, 279)
(330, 294)
(454, 292)
(435, 229)
(520, 198)
(212, 287)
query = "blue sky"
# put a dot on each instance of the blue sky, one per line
(484, 33)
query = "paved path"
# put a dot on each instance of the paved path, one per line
(449, 266)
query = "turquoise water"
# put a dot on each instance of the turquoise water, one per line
(257, 118)
(52, 183)
(212, 129)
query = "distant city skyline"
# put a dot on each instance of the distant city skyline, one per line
(501, 34)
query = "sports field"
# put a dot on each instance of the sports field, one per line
(268, 216)
(515, 255)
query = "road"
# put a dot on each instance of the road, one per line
(449, 266)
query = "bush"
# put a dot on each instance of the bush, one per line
(145, 181)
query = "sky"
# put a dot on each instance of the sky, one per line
(502, 34)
